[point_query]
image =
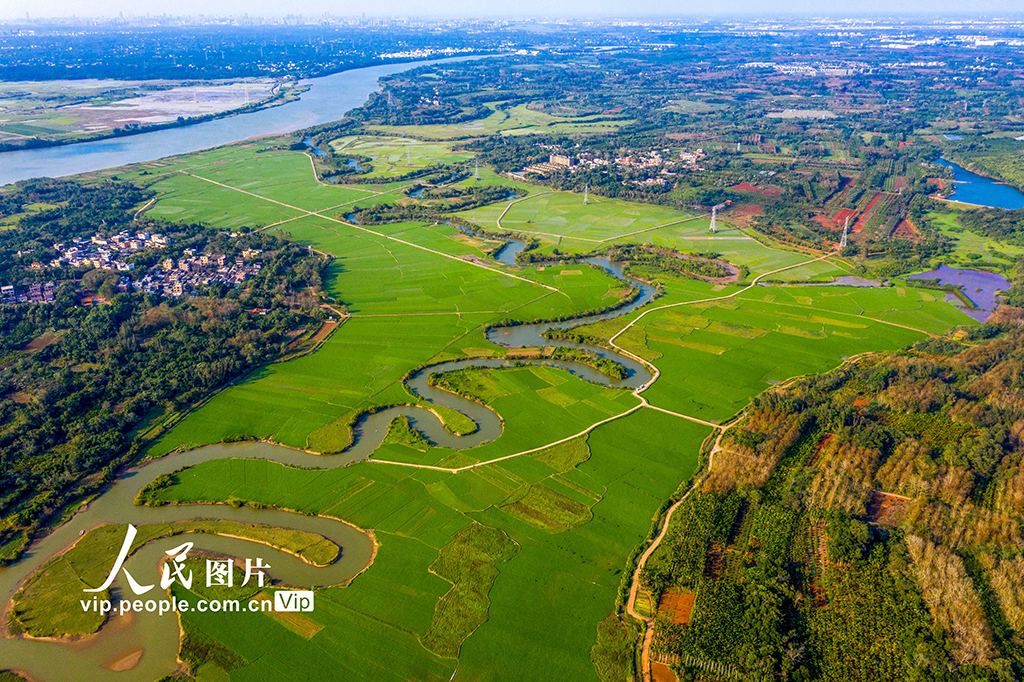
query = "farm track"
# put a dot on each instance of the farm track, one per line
(332, 219)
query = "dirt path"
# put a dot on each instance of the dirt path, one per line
(634, 588)
(149, 205)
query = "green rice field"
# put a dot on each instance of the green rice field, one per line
(504, 571)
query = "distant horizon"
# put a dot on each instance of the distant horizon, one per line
(531, 10)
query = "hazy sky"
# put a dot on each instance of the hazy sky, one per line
(473, 8)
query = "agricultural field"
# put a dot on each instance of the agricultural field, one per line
(416, 515)
(764, 336)
(519, 120)
(392, 156)
(518, 549)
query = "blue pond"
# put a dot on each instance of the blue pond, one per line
(972, 188)
(979, 287)
(316, 150)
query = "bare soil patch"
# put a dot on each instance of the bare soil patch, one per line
(678, 605)
(662, 673)
(886, 509)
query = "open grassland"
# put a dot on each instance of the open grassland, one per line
(551, 586)
(561, 214)
(560, 220)
(518, 120)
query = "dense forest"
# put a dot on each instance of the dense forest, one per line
(80, 385)
(862, 524)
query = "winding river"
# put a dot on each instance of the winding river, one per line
(157, 636)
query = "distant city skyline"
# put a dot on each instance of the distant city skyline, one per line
(42, 9)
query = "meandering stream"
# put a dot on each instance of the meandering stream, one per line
(157, 636)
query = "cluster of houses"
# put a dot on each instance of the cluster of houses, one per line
(170, 277)
(650, 160)
(185, 276)
(105, 252)
(37, 292)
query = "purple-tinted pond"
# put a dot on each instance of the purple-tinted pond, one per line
(979, 287)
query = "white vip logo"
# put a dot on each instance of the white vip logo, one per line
(293, 601)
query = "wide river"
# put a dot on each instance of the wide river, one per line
(328, 99)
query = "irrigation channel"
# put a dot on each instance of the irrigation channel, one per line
(122, 638)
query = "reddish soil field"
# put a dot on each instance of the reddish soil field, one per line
(886, 509)
(866, 215)
(825, 222)
(900, 182)
(678, 604)
(767, 190)
(40, 342)
(662, 673)
(743, 214)
(906, 230)
(842, 214)
(325, 330)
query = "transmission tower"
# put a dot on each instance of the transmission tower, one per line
(846, 231)
(476, 168)
(586, 193)
(714, 220)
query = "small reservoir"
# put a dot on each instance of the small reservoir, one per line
(972, 188)
(980, 287)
